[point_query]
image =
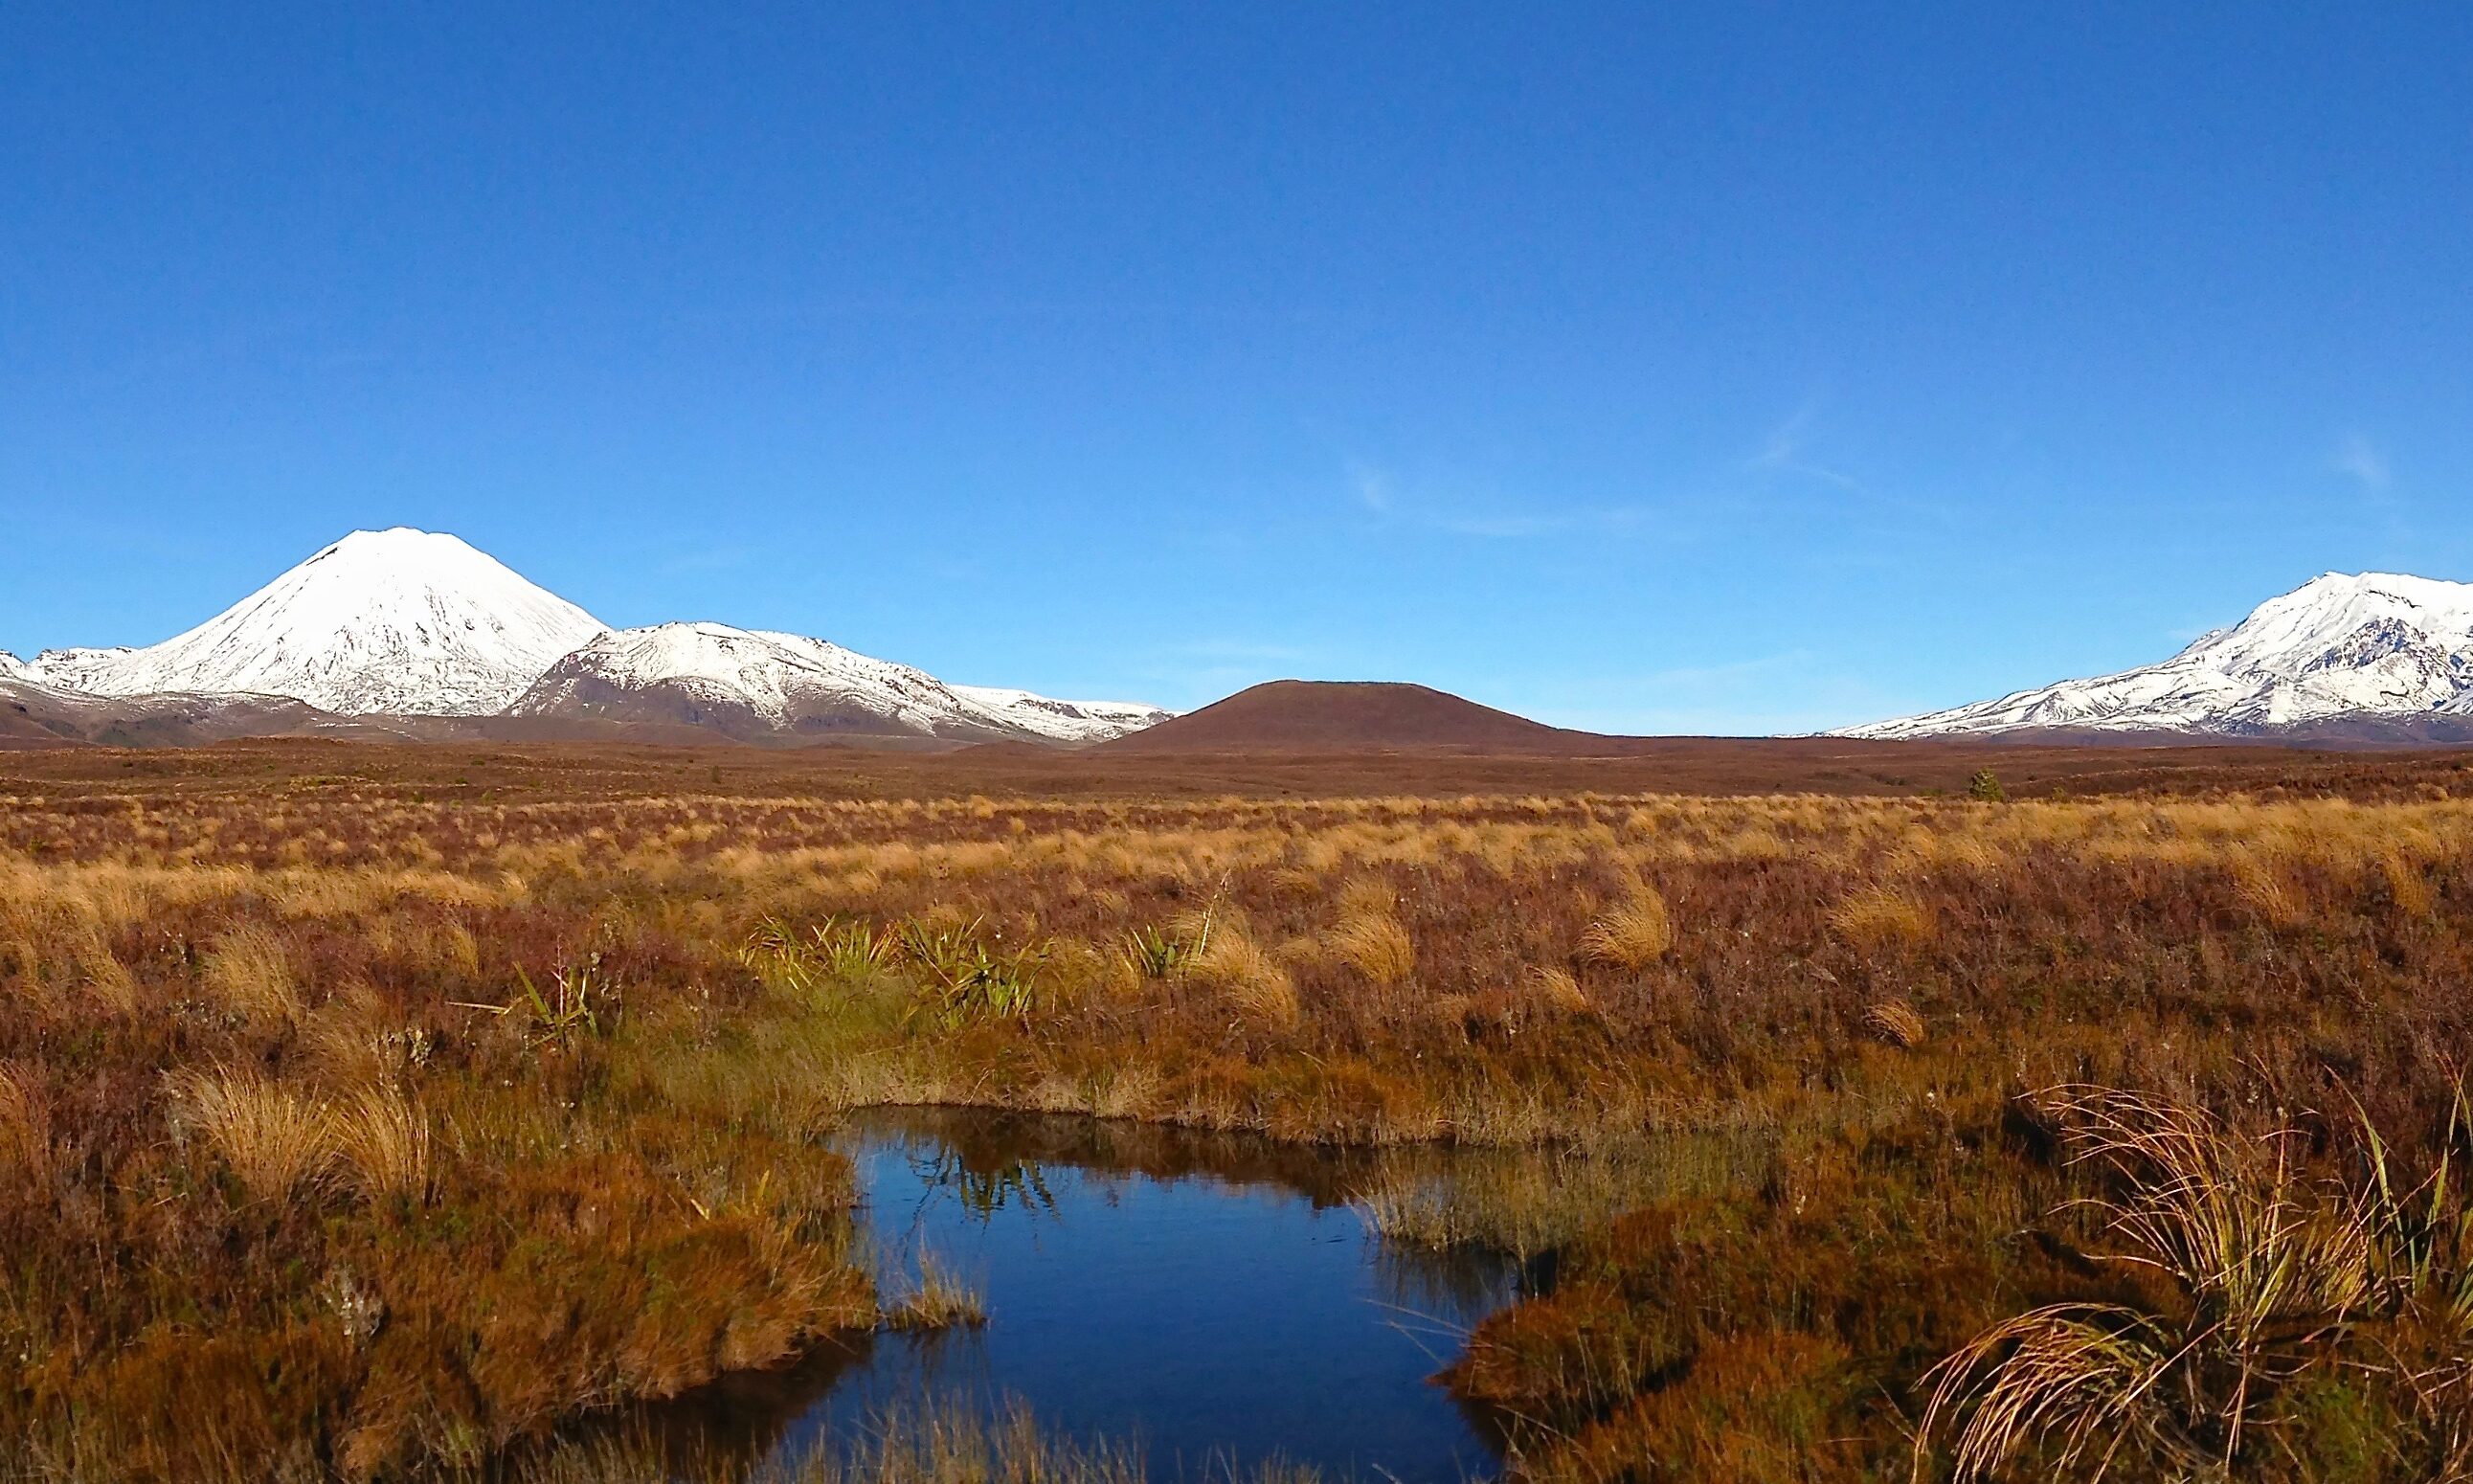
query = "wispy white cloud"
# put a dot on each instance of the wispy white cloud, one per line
(1788, 450)
(1382, 494)
(2360, 459)
(1373, 486)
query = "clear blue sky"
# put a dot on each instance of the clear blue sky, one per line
(1641, 367)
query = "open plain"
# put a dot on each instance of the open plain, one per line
(383, 1112)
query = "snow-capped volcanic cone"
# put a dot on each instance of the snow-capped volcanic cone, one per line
(2375, 649)
(400, 621)
(753, 684)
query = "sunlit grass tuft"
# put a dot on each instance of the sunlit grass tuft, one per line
(1634, 934)
(937, 1298)
(384, 1140)
(1895, 1021)
(2274, 1269)
(273, 1139)
(1376, 946)
(1882, 918)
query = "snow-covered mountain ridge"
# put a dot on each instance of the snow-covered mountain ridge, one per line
(2375, 646)
(709, 673)
(413, 623)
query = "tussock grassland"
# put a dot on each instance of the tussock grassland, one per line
(352, 1129)
(922, 1447)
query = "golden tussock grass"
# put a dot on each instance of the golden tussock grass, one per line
(1376, 946)
(1227, 959)
(1895, 1021)
(1249, 977)
(273, 1139)
(1881, 919)
(1634, 934)
(247, 972)
(281, 969)
(1556, 988)
(383, 1138)
(2408, 883)
(25, 1123)
(2272, 1270)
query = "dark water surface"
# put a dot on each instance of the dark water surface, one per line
(1211, 1298)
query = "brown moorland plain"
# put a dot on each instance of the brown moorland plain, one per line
(369, 1110)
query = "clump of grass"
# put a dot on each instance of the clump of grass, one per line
(580, 1002)
(273, 1139)
(960, 1445)
(2272, 1273)
(2407, 884)
(384, 1140)
(1242, 971)
(937, 1300)
(25, 1123)
(1376, 946)
(832, 951)
(248, 971)
(1537, 1200)
(1895, 1021)
(943, 1441)
(1557, 989)
(1882, 918)
(1153, 954)
(2269, 890)
(1634, 934)
(969, 980)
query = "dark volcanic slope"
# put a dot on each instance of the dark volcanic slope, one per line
(42, 717)
(1347, 715)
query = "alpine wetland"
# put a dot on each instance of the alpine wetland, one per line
(411, 1113)
(1784, 793)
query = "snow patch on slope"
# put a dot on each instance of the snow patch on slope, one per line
(2377, 644)
(783, 678)
(400, 621)
(1065, 721)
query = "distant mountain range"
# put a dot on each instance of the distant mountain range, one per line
(2376, 656)
(413, 633)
